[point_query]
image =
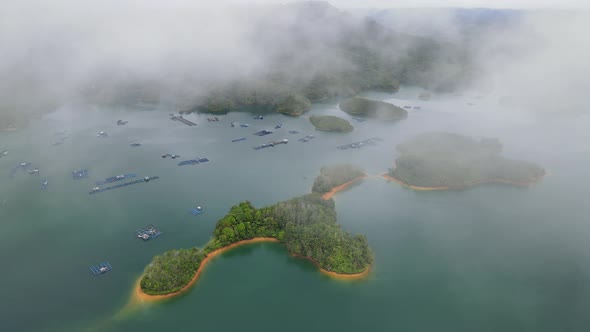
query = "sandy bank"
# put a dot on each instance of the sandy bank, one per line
(514, 183)
(341, 276)
(341, 187)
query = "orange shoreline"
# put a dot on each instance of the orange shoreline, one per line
(417, 188)
(335, 190)
(139, 296)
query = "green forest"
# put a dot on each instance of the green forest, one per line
(330, 123)
(306, 225)
(334, 176)
(456, 161)
(359, 106)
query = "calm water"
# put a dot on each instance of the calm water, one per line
(493, 258)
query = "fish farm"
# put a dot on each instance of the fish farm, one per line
(358, 145)
(101, 268)
(280, 125)
(193, 162)
(96, 190)
(80, 174)
(197, 211)
(148, 232)
(44, 184)
(270, 144)
(306, 138)
(263, 132)
(183, 120)
(116, 178)
(238, 139)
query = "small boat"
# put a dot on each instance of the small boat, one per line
(259, 117)
(280, 125)
(244, 125)
(135, 144)
(102, 134)
(197, 211)
(44, 184)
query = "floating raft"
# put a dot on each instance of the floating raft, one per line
(148, 232)
(135, 144)
(101, 268)
(263, 132)
(197, 211)
(193, 162)
(173, 156)
(145, 179)
(306, 138)
(359, 119)
(358, 145)
(293, 132)
(80, 174)
(238, 139)
(116, 178)
(183, 120)
(270, 144)
(44, 184)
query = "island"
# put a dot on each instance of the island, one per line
(438, 161)
(330, 123)
(336, 178)
(359, 106)
(306, 225)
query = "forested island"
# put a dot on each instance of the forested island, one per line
(453, 161)
(334, 178)
(330, 123)
(359, 106)
(306, 225)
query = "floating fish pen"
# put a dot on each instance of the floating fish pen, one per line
(183, 120)
(359, 119)
(44, 184)
(280, 125)
(101, 268)
(293, 132)
(358, 145)
(259, 117)
(263, 132)
(213, 119)
(80, 174)
(270, 144)
(148, 232)
(96, 190)
(102, 134)
(34, 171)
(197, 211)
(239, 139)
(121, 122)
(135, 145)
(173, 156)
(193, 161)
(306, 139)
(116, 178)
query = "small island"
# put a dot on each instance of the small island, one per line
(306, 225)
(330, 123)
(359, 106)
(336, 178)
(437, 161)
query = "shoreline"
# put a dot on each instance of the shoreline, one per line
(491, 181)
(326, 196)
(139, 296)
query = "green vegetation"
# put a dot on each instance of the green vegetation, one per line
(456, 161)
(335, 176)
(360, 106)
(330, 123)
(306, 225)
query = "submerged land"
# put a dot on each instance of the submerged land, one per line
(359, 106)
(438, 161)
(306, 225)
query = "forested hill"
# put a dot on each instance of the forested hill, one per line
(304, 52)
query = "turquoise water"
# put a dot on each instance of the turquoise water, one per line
(492, 258)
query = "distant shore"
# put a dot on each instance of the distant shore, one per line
(140, 296)
(335, 190)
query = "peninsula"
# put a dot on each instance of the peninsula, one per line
(330, 123)
(359, 106)
(336, 178)
(438, 161)
(306, 225)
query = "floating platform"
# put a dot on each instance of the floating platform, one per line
(135, 145)
(293, 132)
(197, 211)
(34, 171)
(116, 178)
(44, 184)
(359, 119)
(306, 139)
(263, 132)
(270, 144)
(80, 174)
(183, 120)
(239, 139)
(358, 145)
(102, 134)
(101, 268)
(121, 122)
(244, 125)
(259, 117)
(213, 119)
(279, 126)
(148, 232)
(173, 156)
(193, 161)
(97, 190)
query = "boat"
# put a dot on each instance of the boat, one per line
(263, 132)
(102, 134)
(259, 117)
(34, 171)
(213, 119)
(44, 184)
(244, 125)
(280, 125)
(121, 122)
(197, 211)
